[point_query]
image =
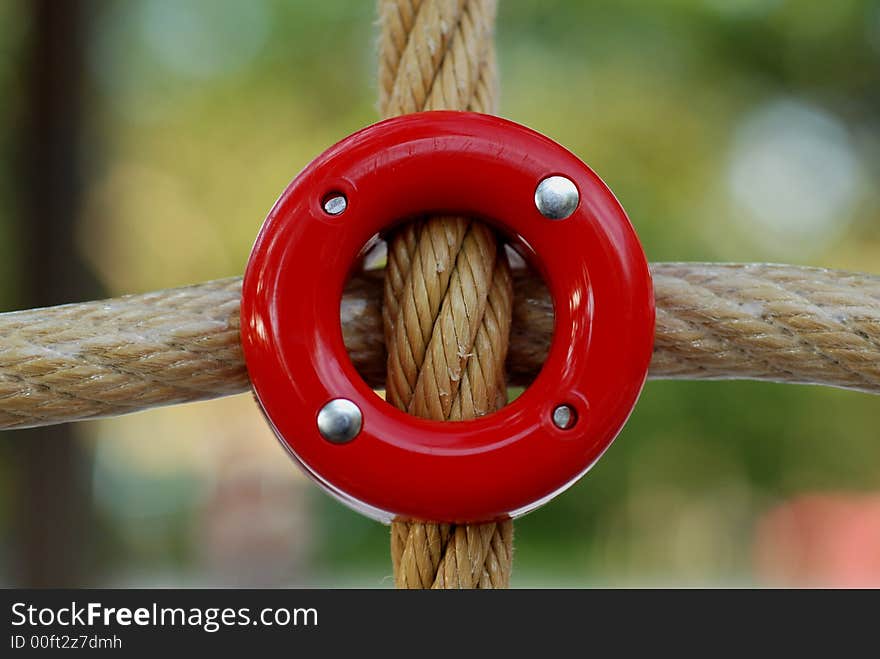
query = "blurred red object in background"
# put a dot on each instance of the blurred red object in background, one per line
(825, 540)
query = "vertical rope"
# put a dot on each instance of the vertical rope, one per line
(448, 296)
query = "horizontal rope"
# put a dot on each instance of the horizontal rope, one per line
(748, 321)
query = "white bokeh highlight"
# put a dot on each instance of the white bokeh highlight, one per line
(793, 175)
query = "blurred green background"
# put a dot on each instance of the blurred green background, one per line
(142, 142)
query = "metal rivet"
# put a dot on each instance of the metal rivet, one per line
(335, 204)
(556, 197)
(339, 421)
(564, 417)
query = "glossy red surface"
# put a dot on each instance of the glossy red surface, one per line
(500, 465)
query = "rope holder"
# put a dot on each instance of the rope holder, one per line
(559, 214)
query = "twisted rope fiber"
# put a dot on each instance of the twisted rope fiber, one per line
(776, 323)
(116, 356)
(448, 298)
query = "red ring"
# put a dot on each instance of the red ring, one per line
(500, 465)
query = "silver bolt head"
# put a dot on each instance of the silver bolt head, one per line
(556, 197)
(340, 421)
(564, 417)
(335, 204)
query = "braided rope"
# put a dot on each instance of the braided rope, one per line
(448, 290)
(776, 323)
(116, 356)
(764, 322)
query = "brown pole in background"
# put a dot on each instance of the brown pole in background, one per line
(51, 494)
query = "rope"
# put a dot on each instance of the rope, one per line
(116, 356)
(776, 323)
(448, 296)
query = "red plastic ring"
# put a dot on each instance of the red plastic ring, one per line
(399, 466)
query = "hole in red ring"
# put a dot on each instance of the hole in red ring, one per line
(532, 323)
